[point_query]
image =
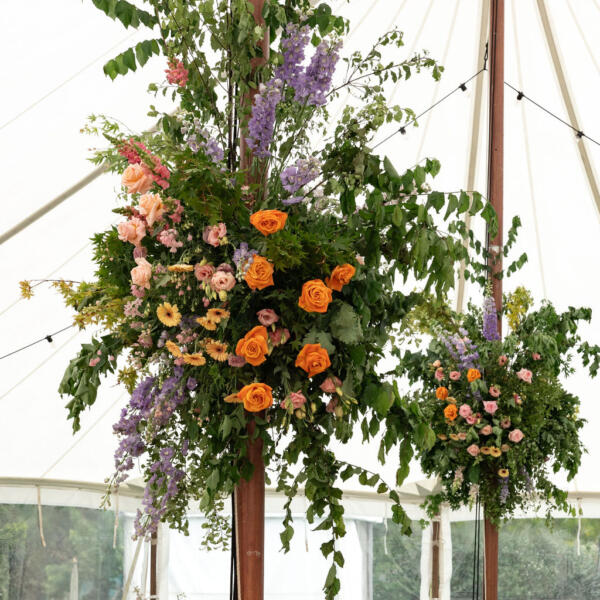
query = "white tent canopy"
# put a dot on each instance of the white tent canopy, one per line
(55, 79)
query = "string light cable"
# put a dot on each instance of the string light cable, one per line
(47, 338)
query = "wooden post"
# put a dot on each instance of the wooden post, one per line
(153, 567)
(495, 195)
(250, 495)
(435, 558)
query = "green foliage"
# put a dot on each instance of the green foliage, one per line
(126, 61)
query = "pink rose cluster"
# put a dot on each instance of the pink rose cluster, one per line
(215, 234)
(219, 279)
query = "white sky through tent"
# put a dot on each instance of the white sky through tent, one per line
(43, 153)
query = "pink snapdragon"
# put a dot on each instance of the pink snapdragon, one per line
(94, 361)
(168, 238)
(177, 73)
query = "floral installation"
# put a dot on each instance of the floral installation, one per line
(501, 419)
(268, 294)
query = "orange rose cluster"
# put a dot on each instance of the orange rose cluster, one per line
(316, 294)
(340, 277)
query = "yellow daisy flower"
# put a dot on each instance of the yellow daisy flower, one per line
(442, 436)
(217, 350)
(233, 398)
(503, 473)
(495, 452)
(485, 450)
(206, 323)
(181, 268)
(217, 314)
(168, 314)
(454, 437)
(197, 359)
(173, 348)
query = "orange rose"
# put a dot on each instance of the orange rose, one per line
(473, 374)
(450, 412)
(253, 346)
(313, 359)
(441, 393)
(268, 221)
(340, 277)
(315, 297)
(256, 396)
(260, 273)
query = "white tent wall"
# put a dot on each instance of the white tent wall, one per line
(42, 153)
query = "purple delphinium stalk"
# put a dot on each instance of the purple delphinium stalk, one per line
(313, 85)
(293, 47)
(243, 257)
(490, 320)
(462, 349)
(262, 121)
(503, 490)
(299, 174)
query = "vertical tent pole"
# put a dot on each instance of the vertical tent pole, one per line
(250, 495)
(495, 195)
(153, 546)
(435, 558)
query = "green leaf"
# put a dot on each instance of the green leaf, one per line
(390, 169)
(397, 216)
(319, 337)
(345, 325)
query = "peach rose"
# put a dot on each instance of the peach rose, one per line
(222, 280)
(260, 273)
(268, 221)
(132, 231)
(315, 297)
(141, 274)
(516, 435)
(486, 430)
(203, 272)
(213, 234)
(256, 396)
(525, 375)
(455, 375)
(137, 179)
(473, 450)
(152, 207)
(267, 316)
(340, 277)
(253, 346)
(314, 359)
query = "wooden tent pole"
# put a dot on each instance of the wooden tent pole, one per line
(250, 495)
(153, 565)
(495, 195)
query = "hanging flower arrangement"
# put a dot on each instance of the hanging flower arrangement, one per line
(502, 421)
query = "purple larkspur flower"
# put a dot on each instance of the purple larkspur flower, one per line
(293, 48)
(490, 320)
(262, 121)
(299, 174)
(313, 85)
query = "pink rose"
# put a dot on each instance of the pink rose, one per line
(212, 234)
(298, 399)
(465, 411)
(462, 436)
(222, 281)
(141, 274)
(439, 373)
(455, 375)
(471, 419)
(132, 231)
(494, 391)
(536, 356)
(203, 272)
(516, 435)
(329, 385)
(525, 375)
(502, 360)
(137, 179)
(225, 267)
(486, 430)
(236, 361)
(267, 316)
(94, 361)
(473, 449)
(279, 336)
(152, 207)
(490, 406)
(505, 423)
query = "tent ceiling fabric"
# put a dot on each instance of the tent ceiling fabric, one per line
(43, 154)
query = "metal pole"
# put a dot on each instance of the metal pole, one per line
(495, 195)
(250, 495)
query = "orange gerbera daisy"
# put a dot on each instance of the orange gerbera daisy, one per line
(197, 359)
(217, 350)
(217, 314)
(180, 268)
(206, 323)
(168, 314)
(173, 348)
